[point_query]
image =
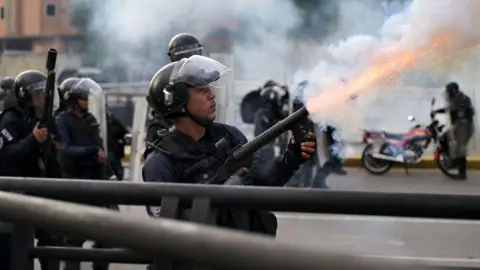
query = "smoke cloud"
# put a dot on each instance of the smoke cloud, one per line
(264, 33)
(400, 47)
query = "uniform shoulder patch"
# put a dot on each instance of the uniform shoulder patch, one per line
(7, 135)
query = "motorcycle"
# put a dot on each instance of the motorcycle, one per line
(383, 149)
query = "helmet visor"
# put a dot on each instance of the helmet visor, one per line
(187, 51)
(200, 71)
(88, 86)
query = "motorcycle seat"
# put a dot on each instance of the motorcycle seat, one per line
(393, 136)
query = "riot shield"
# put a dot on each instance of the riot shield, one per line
(225, 98)
(140, 117)
(249, 106)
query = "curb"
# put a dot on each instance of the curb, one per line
(426, 163)
(355, 162)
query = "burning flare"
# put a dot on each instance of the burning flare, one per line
(382, 70)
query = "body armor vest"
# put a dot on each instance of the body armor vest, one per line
(83, 131)
(197, 161)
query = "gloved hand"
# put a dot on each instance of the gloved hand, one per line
(297, 154)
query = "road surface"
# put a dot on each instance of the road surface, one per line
(379, 235)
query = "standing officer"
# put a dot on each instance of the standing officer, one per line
(24, 145)
(461, 113)
(116, 144)
(180, 46)
(81, 155)
(275, 98)
(197, 147)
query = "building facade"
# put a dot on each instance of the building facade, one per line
(36, 25)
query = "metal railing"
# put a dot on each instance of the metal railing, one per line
(175, 240)
(100, 224)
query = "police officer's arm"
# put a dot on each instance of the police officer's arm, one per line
(71, 150)
(14, 148)
(159, 168)
(273, 172)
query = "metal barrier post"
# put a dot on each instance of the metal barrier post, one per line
(22, 240)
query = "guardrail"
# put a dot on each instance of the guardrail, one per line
(175, 240)
(170, 237)
(204, 197)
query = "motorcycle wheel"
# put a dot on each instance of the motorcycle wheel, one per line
(442, 163)
(374, 165)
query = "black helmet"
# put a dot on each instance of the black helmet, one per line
(452, 89)
(66, 86)
(7, 84)
(168, 90)
(157, 93)
(184, 45)
(275, 94)
(78, 88)
(29, 83)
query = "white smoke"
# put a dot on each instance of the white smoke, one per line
(138, 32)
(408, 28)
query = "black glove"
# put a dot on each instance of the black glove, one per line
(293, 155)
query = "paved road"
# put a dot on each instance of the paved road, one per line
(379, 235)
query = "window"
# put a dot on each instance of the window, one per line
(51, 10)
(2, 13)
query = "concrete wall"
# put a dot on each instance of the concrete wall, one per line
(12, 63)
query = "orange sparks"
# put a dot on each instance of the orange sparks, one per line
(376, 72)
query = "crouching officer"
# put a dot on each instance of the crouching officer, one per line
(81, 155)
(23, 144)
(182, 91)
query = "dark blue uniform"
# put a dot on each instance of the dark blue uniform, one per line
(160, 167)
(116, 144)
(21, 155)
(20, 146)
(80, 144)
(180, 159)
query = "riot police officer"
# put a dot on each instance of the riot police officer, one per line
(62, 88)
(197, 147)
(275, 99)
(81, 155)
(116, 132)
(461, 113)
(25, 148)
(117, 139)
(182, 45)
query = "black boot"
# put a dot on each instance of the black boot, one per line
(462, 168)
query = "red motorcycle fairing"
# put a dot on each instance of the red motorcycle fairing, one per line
(436, 153)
